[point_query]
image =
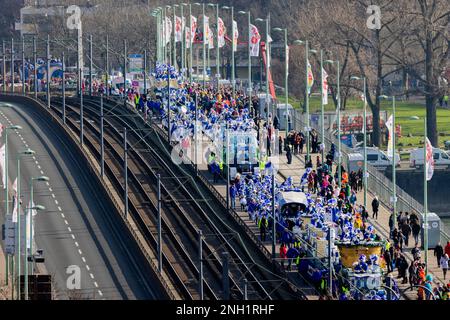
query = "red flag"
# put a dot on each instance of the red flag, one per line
(255, 39)
(429, 160)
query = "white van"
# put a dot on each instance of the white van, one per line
(378, 158)
(441, 158)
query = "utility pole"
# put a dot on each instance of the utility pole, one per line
(200, 254)
(159, 226)
(64, 87)
(35, 68)
(90, 65)
(48, 71)
(12, 66)
(23, 66)
(125, 171)
(102, 140)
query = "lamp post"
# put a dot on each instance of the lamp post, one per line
(365, 135)
(174, 50)
(425, 192)
(394, 175)
(267, 62)
(217, 46)
(204, 42)
(233, 48)
(27, 152)
(183, 39)
(29, 230)
(286, 80)
(250, 87)
(308, 123)
(6, 186)
(338, 94)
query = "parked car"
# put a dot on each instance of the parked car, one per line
(378, 158)
(441, 158)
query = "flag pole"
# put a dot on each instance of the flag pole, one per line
(425, 197)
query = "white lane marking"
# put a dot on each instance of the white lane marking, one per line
(95, 284)
(65, 221)
(62, 215)
(36, 162)
(91, 275)
(56, 202)
(42, 172)
(53, 196)
(87, 267)
(76, 243)
(100, 293)
(73, 237)
(48, 184)
(68, 228)
(80, 252)
(84, 260)
(59, 208)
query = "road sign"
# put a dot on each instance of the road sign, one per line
(136, 63)
(10, 235)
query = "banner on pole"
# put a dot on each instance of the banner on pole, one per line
(255, 39)
(178, 29)
(222, 32)
(205, 28)
(429, 160)
(193, 28)
(10, 235)
(14, 215)
(391, 131)
(187, 35)
(235, 35)
(168, 30)
(310, 78)
(324, 87)
(3, 164)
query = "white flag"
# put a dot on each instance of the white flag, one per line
(222, 32)
(206, 29)
(14, 214)
(235, 36)
(391, 131)
(3, 164)
(187, 34)
(29, 228)
(287, 60)
(168, 29)
(210, 39)
(325, 87)
(194, 28)
(178, 29)
(429, 160)
(255, 39)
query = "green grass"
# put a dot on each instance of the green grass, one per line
(404, 111)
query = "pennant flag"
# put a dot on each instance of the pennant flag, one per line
(255, 39)
(390, 127)
(287, 60)
(324, 87)
(187, 35)
(236, 35)
(3, 164)
(429, 160)
(168, 30)
(178, 29)
(210, 39)
(310, 78)
(206, 28)
(14, 214)
(193, 28)
(222, 32)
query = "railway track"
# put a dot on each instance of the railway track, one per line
(183, 214)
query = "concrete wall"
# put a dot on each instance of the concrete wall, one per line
(438, 189)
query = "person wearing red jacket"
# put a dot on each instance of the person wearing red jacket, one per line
(447, 248)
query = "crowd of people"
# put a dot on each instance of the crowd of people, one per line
(331, 199)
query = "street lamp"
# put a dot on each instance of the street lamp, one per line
(29, 235)
(308, 129)
(27, 152)
(6, 188)
(338, 98)
(355, 78)
(183, 39)
(394, 176)
(250, 86)
(233, 75)
(286, 83)
(267, 63)
(204, 42)
(425, 192)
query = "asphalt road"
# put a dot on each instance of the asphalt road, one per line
(75, 229)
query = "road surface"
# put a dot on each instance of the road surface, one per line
(77, 228)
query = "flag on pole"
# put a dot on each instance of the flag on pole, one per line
(390, 127)
(178, 29)
(14, 214)
(187, 35)
(255, 39)
(324, 87)
(3, 164)
(310, 78)
(429, 160)
(210, 39)
(194, 28)
(287, 60)
(222, 32)
(29, 230)
(269, 61)
(236, 35)
(168, 29)
(206, 28)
